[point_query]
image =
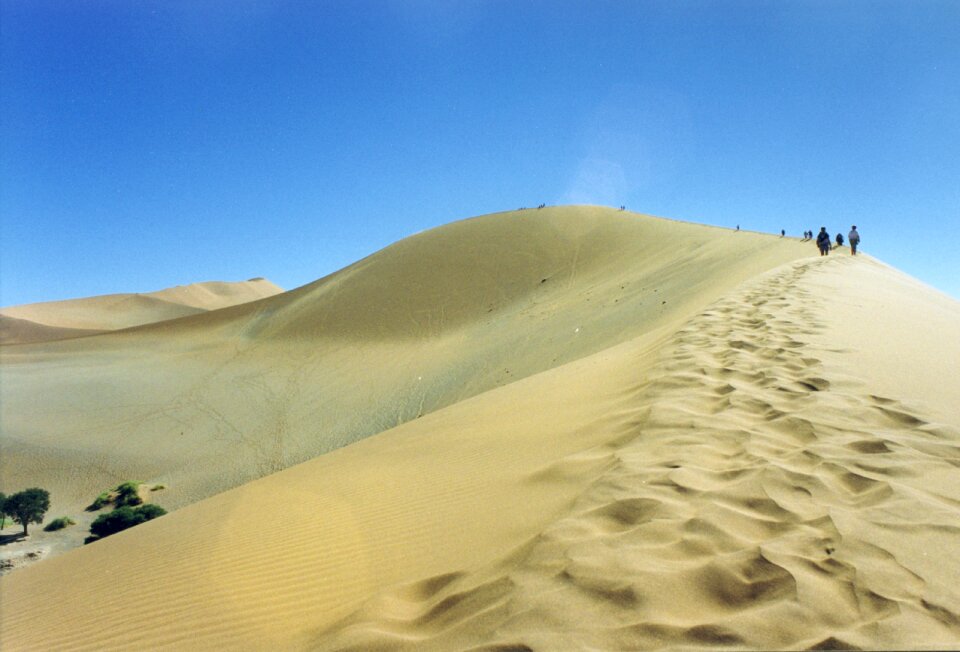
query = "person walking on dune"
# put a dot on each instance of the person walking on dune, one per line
(823, 241)
(854, 238)
(839, 239)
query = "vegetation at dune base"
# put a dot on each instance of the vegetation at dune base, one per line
(27, 506)
(99, 502)
(3, 514)
(122, 518)
(126, 494)
(59, 524)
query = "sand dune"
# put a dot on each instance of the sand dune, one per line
(24, 331)
(51, 320)
(213, 295)
(767, 460)
(207, 402)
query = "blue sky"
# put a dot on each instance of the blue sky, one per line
(154, 143)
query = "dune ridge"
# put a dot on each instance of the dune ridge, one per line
(24, 331)
(763, 503)
(752, 470)
(53, 320)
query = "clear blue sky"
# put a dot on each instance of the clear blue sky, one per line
(154, 143)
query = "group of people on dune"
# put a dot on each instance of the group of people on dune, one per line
(824, 244)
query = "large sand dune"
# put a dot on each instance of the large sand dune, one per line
(635, 434)
(210, 401)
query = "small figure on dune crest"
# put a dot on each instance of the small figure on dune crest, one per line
(839, 240)
(783, 232)
(823, 241)
(854, 238)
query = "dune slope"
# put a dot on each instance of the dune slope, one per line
(751, 477)
(210, 401)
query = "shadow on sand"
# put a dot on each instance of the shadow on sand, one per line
(11, 538)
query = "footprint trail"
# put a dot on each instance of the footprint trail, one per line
(757, 498)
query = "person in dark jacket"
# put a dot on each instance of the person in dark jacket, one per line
(839, 239)
(823, 241)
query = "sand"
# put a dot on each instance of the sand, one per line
(55, 320)
(767, 460)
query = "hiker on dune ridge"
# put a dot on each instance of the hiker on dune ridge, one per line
(823, 241)
(854, 238)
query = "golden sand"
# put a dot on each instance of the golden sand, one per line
(572, 428)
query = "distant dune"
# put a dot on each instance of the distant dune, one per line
(568, 428)
(24, 331)
(52, 320)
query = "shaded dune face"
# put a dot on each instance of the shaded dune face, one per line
(460, 274)
(463, 274)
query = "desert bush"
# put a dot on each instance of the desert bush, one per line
(99, 502)
(59, 524)
(150, 512)
(125, 494)
(128, 494)
(121, 519)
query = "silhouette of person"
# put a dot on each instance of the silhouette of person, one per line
(823, 241)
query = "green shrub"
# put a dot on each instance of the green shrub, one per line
(122, 518)
(59, 524)
(99, 502)
(125, 494)
(128, 494)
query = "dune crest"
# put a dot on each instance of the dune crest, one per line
(53, 320)
(24, 331)
(740, 471)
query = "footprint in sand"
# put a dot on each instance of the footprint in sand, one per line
(814, 384)
(626, 514)
(869, 447)
(898, 418)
